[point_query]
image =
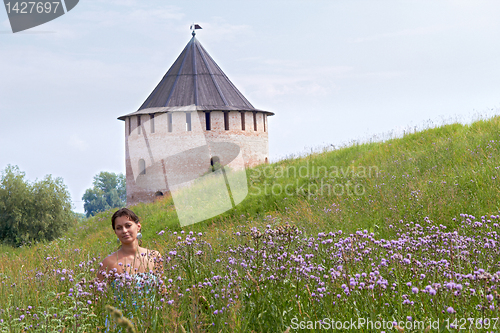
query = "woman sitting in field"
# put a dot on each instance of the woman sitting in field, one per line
(130, 259)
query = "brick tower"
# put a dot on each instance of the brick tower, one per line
(194, 105)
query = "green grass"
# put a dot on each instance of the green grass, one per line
(433, 175)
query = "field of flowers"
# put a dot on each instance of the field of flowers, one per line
(273, 279)
(401, 256)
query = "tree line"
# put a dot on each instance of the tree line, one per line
(32, 211)
(108, 191)
(42, 210)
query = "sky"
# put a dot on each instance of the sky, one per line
(332, 71)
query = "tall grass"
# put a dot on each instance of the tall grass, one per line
(342, 234)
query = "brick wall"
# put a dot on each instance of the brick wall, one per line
(155, 148)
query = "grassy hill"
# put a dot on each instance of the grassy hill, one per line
(432, 175)
(437, 173)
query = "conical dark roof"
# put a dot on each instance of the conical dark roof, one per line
(195, 83)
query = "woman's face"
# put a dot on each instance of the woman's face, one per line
(126, 230)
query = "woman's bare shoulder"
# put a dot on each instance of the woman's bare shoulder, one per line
(107, 265)
(109, 260)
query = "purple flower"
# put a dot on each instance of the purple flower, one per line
(450, 310)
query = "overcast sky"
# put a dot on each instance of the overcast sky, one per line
(331, 71)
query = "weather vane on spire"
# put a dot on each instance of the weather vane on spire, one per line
(194, 27)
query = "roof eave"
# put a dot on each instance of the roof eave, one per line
(192, 108)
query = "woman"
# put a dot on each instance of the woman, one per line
(132, 270)
(130, 259)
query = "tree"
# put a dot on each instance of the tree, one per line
(32, 211)
(109, 191)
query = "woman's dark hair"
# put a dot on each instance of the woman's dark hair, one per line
(124, 212)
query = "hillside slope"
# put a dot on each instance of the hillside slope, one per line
(437, 173)
(410, 194)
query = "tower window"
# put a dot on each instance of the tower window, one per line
(169, 121)
(152, 121)
(188, 121)
(264, 118)
(138, 124)
(242, 120)
(226, 121)
(142, 167)
(207, 121)
(129, 120)
(255, 121)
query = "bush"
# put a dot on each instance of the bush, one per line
(31, 212)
